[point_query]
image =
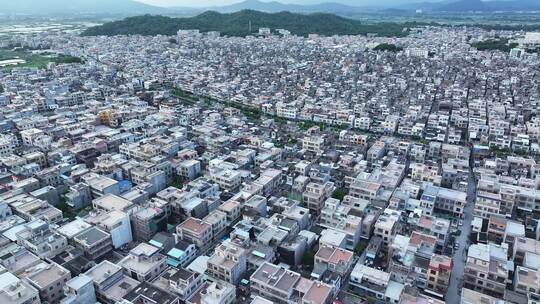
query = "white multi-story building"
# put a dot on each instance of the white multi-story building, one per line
(314, 144)
(228, 263)
(16, 291)
(8, 142)
(116, 223)
(143, 262)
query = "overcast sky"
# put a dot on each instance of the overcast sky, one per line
(225, 2)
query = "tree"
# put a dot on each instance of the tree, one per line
(67, 211)
(177, 183)
(234, 24)
(339, 194)
(388, 47)
(308, 259)
(359, 249)
(501, 44)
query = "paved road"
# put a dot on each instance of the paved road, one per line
(453, 295)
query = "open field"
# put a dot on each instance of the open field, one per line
(35, 60)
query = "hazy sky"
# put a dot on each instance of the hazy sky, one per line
(225, 2)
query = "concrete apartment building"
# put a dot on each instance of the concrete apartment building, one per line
(144, 262)
(109, 202)
(110, 283)
(218, 220)
(526, 280)
(79, 290)
(50, 281)
(332, 259)
(147, 221)
(101, 185)
(150, 294)
(386, 226)
(39, 239)
(181, 254)
(282, 286)
(274, 283)
(365, 190)
(114, 222)
(447, 201)
(342, 218)
(188, 169)
(232, 210)
(316, 194)
(19, 259)
(94, 242)
(313, 144)
(196, 231)
(228, 263)
(375, 283)
(214, 293)
(7, 144)
(229, 180)
(17, 291)
(438, 275)
(469, 296)
(486, 269)
(182, 281)
(269, 180)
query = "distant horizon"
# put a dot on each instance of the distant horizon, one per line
(132, 7)
(209, 3)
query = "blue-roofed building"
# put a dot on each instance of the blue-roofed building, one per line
(181, 254)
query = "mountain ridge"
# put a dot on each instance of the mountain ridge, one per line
(464, 5)
(276, 6)
(132, 7)
(335, 7)
(62, 7)
(238, 24)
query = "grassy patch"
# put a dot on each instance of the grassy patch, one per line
(494, 44)
(177, 183)
(388, 47)
(339, 194)
(308, 259)
(35, 60)
(67, 211)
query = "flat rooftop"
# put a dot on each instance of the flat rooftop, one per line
(91, 236)
(103, 271)
(48, 275)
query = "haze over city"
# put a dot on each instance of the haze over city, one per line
(198, 3)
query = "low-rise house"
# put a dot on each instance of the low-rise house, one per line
(144, 262)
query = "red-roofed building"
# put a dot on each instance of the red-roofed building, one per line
(333, 259)
(196, 231)
(438, 276)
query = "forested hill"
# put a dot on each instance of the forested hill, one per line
(237, 24)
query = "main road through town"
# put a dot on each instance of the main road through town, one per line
(453, 295)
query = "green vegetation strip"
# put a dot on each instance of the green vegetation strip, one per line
(248, 22)
(35, 60)
(388, 47)
(501, 44)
